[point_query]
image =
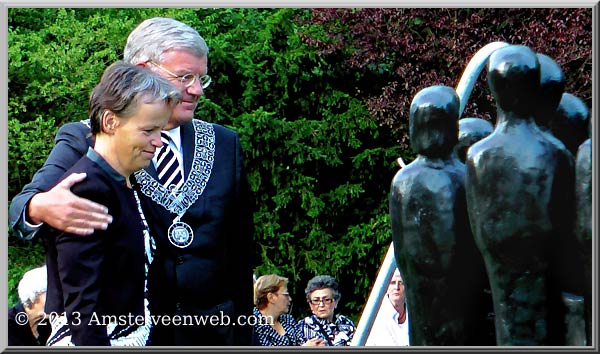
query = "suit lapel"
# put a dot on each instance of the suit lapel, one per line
(188, 146)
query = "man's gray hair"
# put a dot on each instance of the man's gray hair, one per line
(154, 36)
(123, 87)
(323, 282)
(33, 283)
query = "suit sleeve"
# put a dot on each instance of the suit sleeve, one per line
(242, 260)
(79, 265)
(71, 144)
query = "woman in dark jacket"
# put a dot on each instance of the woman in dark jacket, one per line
(96, 283)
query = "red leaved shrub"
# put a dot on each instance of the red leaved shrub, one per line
(394, 53)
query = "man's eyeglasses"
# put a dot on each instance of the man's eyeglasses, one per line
(187, 80)
(325, 301)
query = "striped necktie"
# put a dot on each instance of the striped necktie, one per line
(167, 165)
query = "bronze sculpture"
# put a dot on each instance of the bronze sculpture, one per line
(434, 248)
(518, 185)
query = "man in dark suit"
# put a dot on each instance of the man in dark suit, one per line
(201, 223)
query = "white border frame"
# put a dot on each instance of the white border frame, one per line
(5, 4)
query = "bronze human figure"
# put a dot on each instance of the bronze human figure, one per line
(518, 187)
(570, 124)
(583, 223)
(552, 85)
(470, 131)
(443, 271)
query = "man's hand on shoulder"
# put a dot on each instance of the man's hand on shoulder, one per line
(65, 211)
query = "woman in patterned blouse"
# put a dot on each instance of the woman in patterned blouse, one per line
(274, 326)
(322, 294)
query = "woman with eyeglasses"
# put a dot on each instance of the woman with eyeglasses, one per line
(273, 326)
(322, 294)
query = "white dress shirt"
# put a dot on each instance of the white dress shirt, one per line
(175, 135)
(386, 330)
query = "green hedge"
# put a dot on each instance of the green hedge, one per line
(22, 256)
(318, 166)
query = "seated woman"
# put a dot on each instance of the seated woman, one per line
(274, 326)
(323, 296)
(96, 283)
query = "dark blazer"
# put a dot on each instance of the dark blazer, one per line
(214, 273)
(103, 273)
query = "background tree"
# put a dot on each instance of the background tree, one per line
(397, 52)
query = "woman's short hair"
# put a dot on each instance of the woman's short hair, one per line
(124, 87)
(154, 36)
(264, 285)
(33, 283)
(323, 282)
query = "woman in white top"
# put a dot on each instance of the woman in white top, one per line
(391, 324)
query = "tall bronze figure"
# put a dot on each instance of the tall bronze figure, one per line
(435, 251)
(470, 131)
(552, 86)
(518, 186)
(583, 223)
(548, 114)
(570, 124)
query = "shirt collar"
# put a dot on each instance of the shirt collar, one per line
(390, 309)
(324, 321)
(175, 135)
(101, 162)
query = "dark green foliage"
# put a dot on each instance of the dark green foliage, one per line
(318, 166)
(29, 143)
(319, 153)
(22, 256)
(311, 152)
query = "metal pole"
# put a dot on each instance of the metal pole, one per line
(472, 71)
